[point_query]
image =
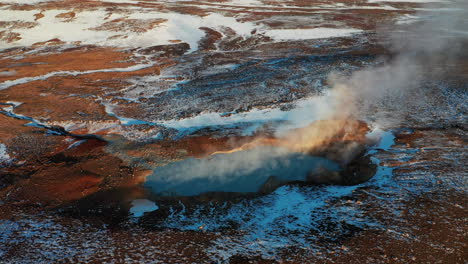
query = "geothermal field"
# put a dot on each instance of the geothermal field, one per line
(233, 131)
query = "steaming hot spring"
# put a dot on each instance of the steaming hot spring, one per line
(324, 152)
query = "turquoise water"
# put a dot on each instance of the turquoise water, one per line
(241, 172)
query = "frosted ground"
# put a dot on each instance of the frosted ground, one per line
(122, 88)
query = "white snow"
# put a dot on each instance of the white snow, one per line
(91, 127)
(25, 2)
(4, 156)
(185, 28)
(181, 27)
(312, 33)
(141, 206)
(17, 15)
(50, 27)
(279, 8)
(385, 139)
(121, 1)
(217, 119)
(305, 112)
(7, 73)
(76, 143)
(8, 84)
(407, 19)
(348, 7)
(177, 27)
(14, 103)
(247, 2)
(407, 1)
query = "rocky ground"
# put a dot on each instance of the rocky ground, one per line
(97, 98)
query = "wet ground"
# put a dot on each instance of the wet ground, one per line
(201, 132)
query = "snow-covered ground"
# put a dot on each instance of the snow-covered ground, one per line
(4, 156)
(268, 69)
(142, 206)
(84, 28)
(314, 33)
(101, 27)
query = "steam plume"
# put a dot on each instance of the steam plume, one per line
(380, 95)
(420, 54)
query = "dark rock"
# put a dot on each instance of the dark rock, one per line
(166, 50)
(271, 184)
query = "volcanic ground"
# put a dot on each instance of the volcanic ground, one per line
(144, 131)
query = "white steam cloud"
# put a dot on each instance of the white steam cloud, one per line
(421, 53)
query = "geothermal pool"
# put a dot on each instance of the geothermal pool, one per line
(241, 172)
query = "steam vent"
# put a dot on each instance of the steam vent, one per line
(233, 131)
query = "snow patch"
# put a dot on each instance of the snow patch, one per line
(407, 19)
(312, 33)
(7, 73)
(407, 1)
(81, 28)
(76, 143)
(85, 28)
(303, 113)
(25, 2)
(8, 84)
(91, 127)
(385, 139)
(141, 206)
(4, 156)
(247, 2)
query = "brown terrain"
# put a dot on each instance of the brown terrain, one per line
(95, 96)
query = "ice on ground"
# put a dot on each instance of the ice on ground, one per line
(8, 84)
(141, 206)
(83, 28)
(50, 27)
(8, 15)
(340, 6)
(407, 1)
(312, 33)
(212, 119)
(4, 156)
(185, 28)
(407, 19)
(25, 2)
(247, 2)
(385, 139)
(7, 73)
(304, 112)
(90, 126)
